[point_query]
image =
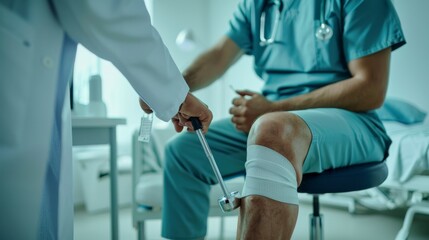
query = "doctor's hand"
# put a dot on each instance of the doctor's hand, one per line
(192, 107)
(145, 107)
(247, 108)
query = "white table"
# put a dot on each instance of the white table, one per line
(97, 131)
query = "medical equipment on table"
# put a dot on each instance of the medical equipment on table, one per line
(145, 127)
(323, 32)
(230, 200)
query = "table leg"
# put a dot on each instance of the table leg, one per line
(113, 185)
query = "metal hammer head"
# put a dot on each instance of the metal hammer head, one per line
(231, 202)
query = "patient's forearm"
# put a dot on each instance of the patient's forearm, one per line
(203, 71)
(212, 64)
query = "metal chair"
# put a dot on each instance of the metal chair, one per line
(339, 180)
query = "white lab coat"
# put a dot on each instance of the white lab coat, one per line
(31, 33)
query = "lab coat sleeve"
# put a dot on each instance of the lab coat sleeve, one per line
(121, 32)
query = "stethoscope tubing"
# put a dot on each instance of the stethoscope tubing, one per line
(323, 32)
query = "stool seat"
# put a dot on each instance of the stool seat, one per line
(345, 179)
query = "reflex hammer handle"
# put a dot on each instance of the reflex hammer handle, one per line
(196, 123)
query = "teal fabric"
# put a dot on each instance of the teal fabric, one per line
(342, 138)
(295, 64)
(398, 110)
(298, 62)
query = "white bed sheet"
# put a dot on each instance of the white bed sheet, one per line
(409, 152)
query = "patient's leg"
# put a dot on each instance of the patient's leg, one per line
(188, 176)
(277, 146)
(263, 218)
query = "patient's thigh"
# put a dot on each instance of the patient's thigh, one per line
(342, 138)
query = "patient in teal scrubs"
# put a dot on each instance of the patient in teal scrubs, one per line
(314, 112)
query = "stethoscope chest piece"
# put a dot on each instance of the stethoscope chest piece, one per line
(324, 32)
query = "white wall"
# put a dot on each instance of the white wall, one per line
(169, 18)
(409, 77)
(118, 95)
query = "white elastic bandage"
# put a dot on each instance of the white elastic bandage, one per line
(270, 174)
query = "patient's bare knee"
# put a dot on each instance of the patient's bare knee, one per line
(285, 133)
(279, 131)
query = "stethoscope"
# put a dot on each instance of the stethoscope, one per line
(323, 32)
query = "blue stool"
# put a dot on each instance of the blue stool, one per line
(345, 179)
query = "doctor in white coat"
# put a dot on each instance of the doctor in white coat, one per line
(37, 48)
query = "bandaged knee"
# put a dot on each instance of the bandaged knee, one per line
(270, 174)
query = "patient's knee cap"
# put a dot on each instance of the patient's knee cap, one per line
(270, 174)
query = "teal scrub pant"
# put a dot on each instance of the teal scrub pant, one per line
(339, 138)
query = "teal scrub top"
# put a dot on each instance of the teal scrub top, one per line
(297, 62)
